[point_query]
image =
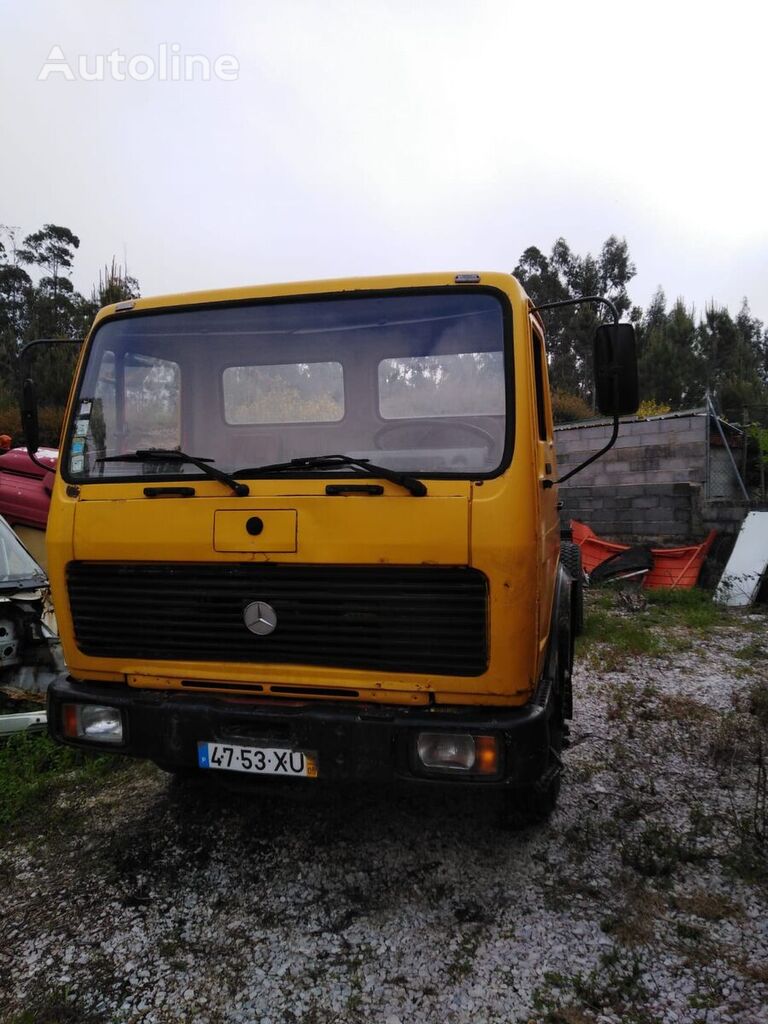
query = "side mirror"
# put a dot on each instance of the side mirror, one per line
(616, 370)
(29, 421)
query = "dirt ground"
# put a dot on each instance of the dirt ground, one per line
(643, 900)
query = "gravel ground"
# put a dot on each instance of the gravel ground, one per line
(643, 900)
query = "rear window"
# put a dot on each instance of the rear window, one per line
(284, 393)
(452, 384)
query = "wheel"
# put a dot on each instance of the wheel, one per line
(533, 804)
(570, 556)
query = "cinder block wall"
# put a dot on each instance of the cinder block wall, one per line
(650, 488)
(665, 450)
(633, 514)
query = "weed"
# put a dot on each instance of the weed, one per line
(757, 972)
(634, 923)
(615, 987)
(464, 957)
(702, 822)
(587, 835)
(33, 767)
(610, 640)
(692, 609)
(705, 1000)
(757, 697)
(689, 932)
(54, 1006)
(729, 741)
(709, 906)
(755, 651)
(679, 708)
(749, 856)
(657, 851)
(564, 891)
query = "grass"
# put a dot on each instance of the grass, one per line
(34, 768)
(54, 1006)
(614, 987)
(462, 963)
(755, 650)
(658, 851)
(758, 701)
(691, 609)
(609, 640)
(651, 624)
(634, 923)
(709, 906)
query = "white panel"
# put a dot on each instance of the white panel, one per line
(746, 567)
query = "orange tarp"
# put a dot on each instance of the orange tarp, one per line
(672, 567)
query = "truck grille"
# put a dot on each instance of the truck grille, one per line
(389, 618)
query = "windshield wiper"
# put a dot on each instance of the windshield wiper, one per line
(410, 483)
(174, 455)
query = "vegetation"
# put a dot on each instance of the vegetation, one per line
(681, 355)
(612, 639)
(33, 768)
(48, 307)
(567, 408)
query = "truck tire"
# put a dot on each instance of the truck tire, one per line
(570, 556)
(528, 805)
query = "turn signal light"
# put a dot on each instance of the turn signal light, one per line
(486, 755)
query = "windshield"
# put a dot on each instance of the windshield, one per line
(413, 382)
(17, 567)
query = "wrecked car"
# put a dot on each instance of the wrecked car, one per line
(30, 655)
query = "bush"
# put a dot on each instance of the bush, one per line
(650, 407)
(567, 408)
(50, 419)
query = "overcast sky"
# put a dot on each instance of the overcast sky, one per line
(381, 135)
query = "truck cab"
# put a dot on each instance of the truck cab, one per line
(311, 531)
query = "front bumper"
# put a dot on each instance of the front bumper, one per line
(353, 741)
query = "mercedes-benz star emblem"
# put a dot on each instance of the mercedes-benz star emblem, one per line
(260, 618)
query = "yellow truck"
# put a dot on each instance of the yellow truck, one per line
(310, 531)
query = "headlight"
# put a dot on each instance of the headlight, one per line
(458, 752)
(94, 722)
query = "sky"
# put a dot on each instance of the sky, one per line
(384, 136)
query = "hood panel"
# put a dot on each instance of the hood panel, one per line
(332, 530)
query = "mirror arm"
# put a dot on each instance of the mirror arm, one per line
(615, 313)
(592, 458)
(577, 302)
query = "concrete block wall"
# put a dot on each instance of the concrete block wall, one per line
(650, 488)
(659, 514)
(665, 450)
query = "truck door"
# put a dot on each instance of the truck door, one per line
(549, 520)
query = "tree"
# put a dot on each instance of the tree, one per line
(52, 248)
(50, 308)
(755, 338)
(670, 366)
(732, 350)
(570, 331)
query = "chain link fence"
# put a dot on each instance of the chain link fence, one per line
(737, 452)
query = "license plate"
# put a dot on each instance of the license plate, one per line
(257, 760)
